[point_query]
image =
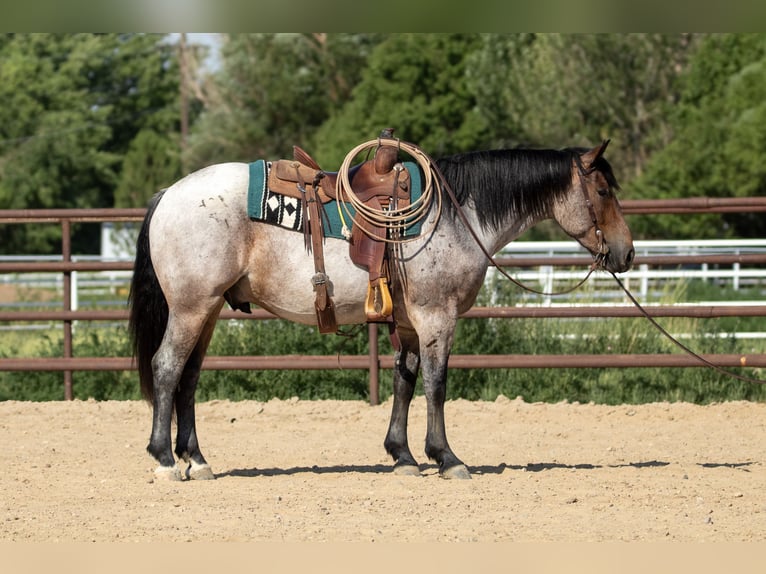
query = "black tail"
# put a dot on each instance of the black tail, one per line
(148, 307)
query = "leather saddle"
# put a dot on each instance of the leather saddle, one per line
(367, 180)
(380, 183)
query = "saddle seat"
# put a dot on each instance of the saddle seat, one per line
(380, 183)
(366, 180)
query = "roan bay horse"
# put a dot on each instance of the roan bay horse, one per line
(198, 248)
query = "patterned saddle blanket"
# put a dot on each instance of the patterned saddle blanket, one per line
(277, 209)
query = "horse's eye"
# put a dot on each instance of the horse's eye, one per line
(603, 191)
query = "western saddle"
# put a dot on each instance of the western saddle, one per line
(380, 183)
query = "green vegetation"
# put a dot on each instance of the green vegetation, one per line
(606, 336)
(75, 107)
(95, 120)
(474, 336)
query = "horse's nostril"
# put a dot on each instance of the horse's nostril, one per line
(630, 256)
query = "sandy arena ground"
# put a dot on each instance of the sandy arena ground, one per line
(317, 471)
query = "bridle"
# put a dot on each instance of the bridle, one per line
(602, 249)
(599, 258)
(599, 262)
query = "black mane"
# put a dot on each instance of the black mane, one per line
(516, 182)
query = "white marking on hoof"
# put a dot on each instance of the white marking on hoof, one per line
(459, 472)
(199, 471)
(407, 470)
(169, 473)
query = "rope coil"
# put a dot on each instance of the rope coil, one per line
(395, 221)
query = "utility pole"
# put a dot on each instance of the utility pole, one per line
(183, 68)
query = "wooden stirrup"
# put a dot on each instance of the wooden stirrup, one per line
(378, 308)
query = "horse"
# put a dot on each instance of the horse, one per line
(197, 249)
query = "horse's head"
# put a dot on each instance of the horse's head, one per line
(591, 214)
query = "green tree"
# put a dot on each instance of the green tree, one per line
(559, 90)
(416, 84)
(72, 106)
(151, 163)
(273, 92)
(718, 139)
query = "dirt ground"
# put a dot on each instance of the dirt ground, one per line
(317, 471)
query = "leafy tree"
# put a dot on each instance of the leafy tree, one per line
(417, 84)
(151, 163)
(72, 106)
(719, 135)
(274, 91)
(558, 90)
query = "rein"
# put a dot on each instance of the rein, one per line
(680, 345)
(394, 220)
(598, 262)
(582, 173)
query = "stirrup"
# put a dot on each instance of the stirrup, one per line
(386, 304)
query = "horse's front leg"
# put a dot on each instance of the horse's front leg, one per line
(406, 365)
(435, 349)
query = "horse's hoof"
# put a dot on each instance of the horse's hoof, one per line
(199, 472)
(167, 473)
(407, 470)
(459, 472)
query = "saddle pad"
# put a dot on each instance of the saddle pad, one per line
(276, 209)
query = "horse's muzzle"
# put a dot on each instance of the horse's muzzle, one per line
(619, 260)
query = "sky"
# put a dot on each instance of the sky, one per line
(210, 39)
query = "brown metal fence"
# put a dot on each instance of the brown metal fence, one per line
(372, 362)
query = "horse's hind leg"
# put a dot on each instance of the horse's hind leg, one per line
(187, 444)
(406, 365)
(168, 364)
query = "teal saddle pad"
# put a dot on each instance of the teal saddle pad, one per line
(276, 209)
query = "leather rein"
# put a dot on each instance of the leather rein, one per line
(598, 261)
(582, 172)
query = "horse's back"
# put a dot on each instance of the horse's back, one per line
(203, 244)
(202, 194)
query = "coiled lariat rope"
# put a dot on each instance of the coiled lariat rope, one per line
(395, 221)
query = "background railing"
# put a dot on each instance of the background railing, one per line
(540, 260)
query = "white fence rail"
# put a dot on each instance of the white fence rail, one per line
(643, 279)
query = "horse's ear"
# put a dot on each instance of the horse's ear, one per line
(591, 156)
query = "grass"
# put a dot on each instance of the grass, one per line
(473, 336)
(33, 343)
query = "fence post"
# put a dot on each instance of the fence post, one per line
(372, 335)
(66, 253)
(644, 274)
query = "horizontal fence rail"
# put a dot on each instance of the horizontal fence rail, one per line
(373, 362)
(503, 261)
(324, 362)
(695, 311)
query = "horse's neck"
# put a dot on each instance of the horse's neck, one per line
(495, 239)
